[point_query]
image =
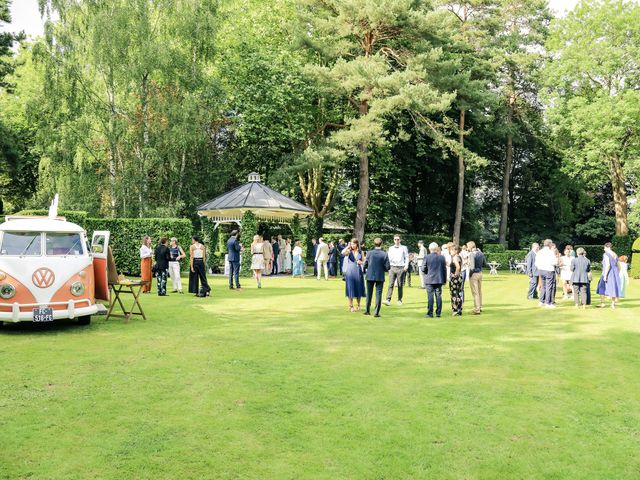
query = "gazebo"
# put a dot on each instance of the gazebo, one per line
(265, 203)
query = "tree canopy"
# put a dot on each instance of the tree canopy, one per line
(484, 119)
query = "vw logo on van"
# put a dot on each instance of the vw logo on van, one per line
(43, 278)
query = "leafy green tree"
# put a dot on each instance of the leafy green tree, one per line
(376, 56)
(521, 30)
(470, 76)
(595, 75)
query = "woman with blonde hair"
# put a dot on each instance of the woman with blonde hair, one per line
(146, 255)
(298, 263)
(257, 259)
(623, 271)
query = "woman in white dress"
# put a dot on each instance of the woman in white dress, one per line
(297, 260)
(287, 256)
(565, 272)
(257, 259)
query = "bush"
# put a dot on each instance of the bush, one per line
(410, 240)
(493, 248)
(127, 233)
(247, 231)
(622, 244)
(594, 252)
(77, 217)
(314, 230)
(503, 257)
(635, 248)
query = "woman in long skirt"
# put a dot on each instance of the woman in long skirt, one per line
(353, 274)
(146, 254)
(298, 264)
(609, 285)
(455, 280)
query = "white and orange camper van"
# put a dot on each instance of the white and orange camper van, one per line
(49, 272)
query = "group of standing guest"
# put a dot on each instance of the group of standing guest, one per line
(544, 266)
(168, 260)
(436, 269)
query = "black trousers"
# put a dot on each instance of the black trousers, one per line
(371, 284)
(434, 291)
(198, 266)
(274, 267)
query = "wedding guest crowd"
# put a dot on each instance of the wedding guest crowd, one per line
(447, 264)
(573, 268)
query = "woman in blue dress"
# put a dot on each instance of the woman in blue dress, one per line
(353, 275)
(609, 284)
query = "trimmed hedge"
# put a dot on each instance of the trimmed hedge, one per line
(635, 248)
(503, 257)
(410, 240)
(594, 252)
(622, 244)
(494, 248)
(127, 233)
(73, 216)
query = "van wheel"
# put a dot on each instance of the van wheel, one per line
(86, 320)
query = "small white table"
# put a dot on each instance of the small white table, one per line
(494, 268)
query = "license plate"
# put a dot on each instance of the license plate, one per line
(43, 314)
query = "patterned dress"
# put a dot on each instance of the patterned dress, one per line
(456, 284)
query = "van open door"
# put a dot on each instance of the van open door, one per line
(100, 252)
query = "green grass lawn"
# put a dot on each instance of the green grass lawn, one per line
(285, 383)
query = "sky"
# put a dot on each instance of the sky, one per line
(26, 17)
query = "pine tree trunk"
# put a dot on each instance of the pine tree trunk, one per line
(619, 196)
(363, 184)
(457, 225)
(506, 178)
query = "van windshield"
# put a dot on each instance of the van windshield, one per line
(21, 243)
(62, 244)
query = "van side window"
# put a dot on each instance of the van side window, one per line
(97, 246)
(63, 244)
(21, 243)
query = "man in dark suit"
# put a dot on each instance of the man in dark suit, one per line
(233, 256)
(375, 266)
(532, 271)
(434, 268)
(275, 247)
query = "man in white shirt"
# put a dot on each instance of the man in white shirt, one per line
(399, 261)
(322, 257)
(546, 262)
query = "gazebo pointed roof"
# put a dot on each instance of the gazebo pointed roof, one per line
(263, 201)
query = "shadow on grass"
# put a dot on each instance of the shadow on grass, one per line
(47, 328)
